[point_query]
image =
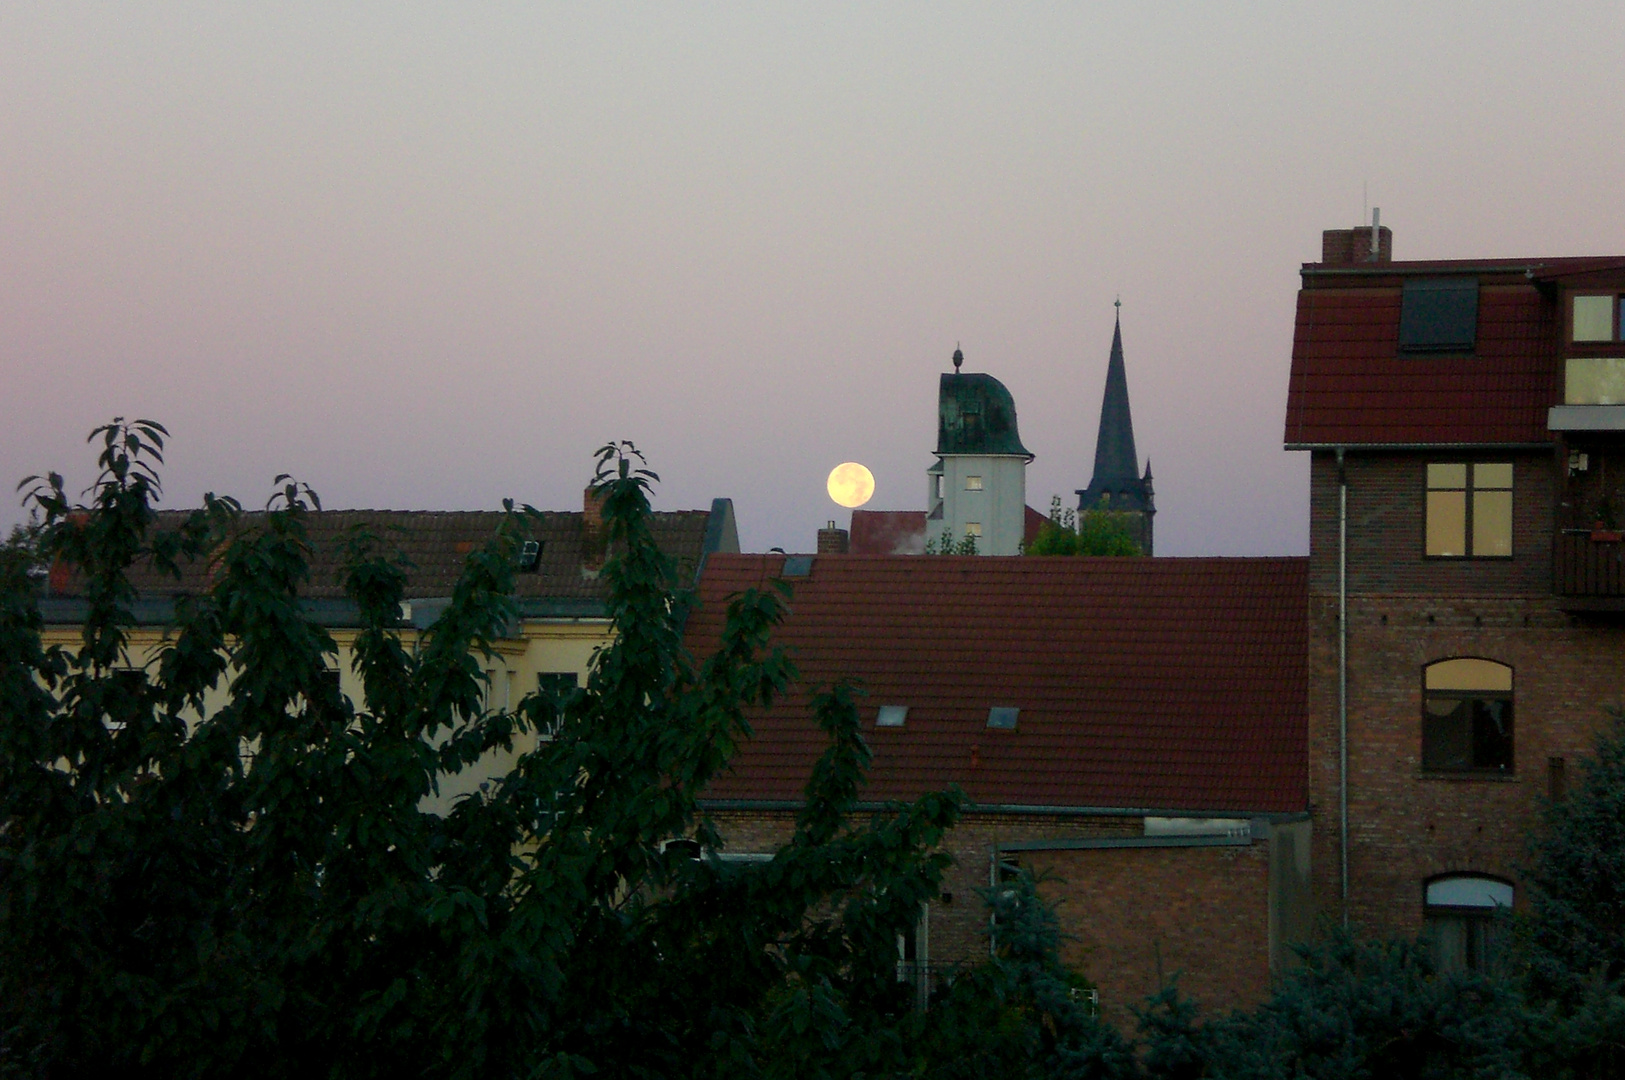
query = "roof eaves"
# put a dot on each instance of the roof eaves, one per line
(1413, 446)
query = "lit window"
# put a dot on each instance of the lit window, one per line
(1469, 510)
(973, 483)
(1467, 717)
(973, 528)
(1594, 318)
(891, 716)
(1462, 916)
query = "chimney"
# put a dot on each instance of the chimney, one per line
(833, 541)
(594, 541)
(1348, 247)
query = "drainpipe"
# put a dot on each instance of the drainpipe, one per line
(1343, 680)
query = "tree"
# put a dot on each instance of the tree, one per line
(1576, 931)
(1093, 532)
(256, 890)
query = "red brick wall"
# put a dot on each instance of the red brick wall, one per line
(1404, 613)
(1386, 500)
(1205, 911)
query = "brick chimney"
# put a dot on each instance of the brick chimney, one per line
(594, 539)
(833, 541)
(1349, 247)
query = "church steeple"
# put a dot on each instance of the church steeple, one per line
(1115, 457)
(1117, 484)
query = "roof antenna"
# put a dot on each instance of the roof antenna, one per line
(959, 358)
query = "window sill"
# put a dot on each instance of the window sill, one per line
(1470, 777)
(1469, 558)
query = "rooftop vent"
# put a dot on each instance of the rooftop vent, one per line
(891, 716)
(798, 566)
(1002, 718)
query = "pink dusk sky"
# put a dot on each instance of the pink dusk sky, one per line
(428, 256)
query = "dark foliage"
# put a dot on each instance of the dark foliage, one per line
(255, 889)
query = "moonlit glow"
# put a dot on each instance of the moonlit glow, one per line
(850, 484)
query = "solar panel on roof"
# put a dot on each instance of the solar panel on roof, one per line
(1439, 315)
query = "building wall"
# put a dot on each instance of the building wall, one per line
(1000, 507)
(542, 646)
(1406, 612)
(1205, 914)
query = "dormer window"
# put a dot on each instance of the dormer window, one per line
(1598, 318)
(1439, 315)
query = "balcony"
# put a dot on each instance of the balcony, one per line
(1588, 570)
(1593, 395)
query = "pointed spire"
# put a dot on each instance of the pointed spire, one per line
(1116, 461)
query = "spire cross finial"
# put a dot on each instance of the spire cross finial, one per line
(959, 358)
(1118, 303)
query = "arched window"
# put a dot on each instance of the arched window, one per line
(1461, 911)
(1467, 717)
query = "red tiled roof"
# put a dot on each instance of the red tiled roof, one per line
(1351, 385)
(1032, 523)
(437, 543)
(902, 532)
(1174, 684)
(888, 532)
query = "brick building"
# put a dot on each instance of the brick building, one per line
(1135, 726)
(1466, 425)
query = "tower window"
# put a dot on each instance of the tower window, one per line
(973, 528)
(973, 483)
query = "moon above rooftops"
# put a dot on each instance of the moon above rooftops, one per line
(850, 484)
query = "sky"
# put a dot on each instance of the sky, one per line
(428, 256)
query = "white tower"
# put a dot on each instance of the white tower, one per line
(978, 486)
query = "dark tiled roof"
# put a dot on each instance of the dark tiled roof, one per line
(1173, 684)
(437, 543)
(1350, 384)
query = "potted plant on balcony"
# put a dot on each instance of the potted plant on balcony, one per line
(1604, 527)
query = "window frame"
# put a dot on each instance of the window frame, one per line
(1616, 316)
(1424, 309)
(1478, 922)
(1469, 491)
(1509, 697)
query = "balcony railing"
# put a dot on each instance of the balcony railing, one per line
(1586, 563)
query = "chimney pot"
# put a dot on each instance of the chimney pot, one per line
(1346, 247)
(594, 539)
(834, 541)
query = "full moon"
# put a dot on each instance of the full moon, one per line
(850, 484)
